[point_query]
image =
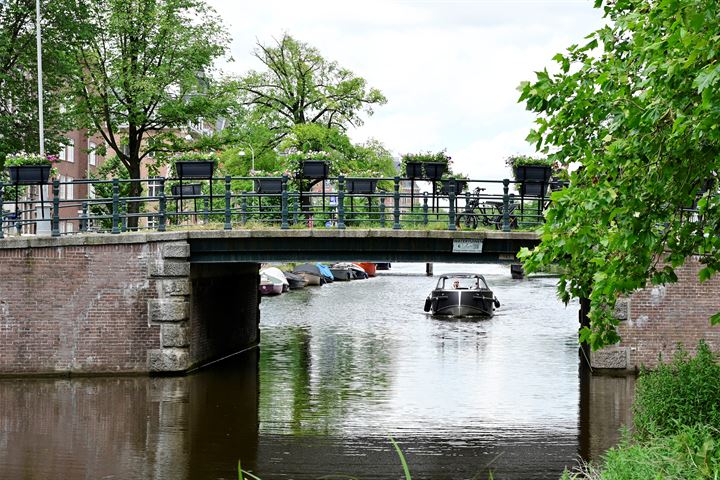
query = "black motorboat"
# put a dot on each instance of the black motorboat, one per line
(342, 271)
(462, 295)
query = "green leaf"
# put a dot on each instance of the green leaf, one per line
(715, 319)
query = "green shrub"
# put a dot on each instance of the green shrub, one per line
(684, 392)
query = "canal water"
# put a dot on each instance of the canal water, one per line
(341, 371)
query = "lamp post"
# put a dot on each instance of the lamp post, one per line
(252, 154)
(40, 81)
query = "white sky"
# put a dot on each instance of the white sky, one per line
(449, 69)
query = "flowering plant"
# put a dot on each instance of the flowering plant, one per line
(519, 160)
(23, 158)
(195, 157)
(270, 173)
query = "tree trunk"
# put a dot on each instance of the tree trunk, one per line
(134, 207)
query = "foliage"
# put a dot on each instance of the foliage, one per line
(519, 160)
(143, 72)
(300, 86)
(692, 452)
(683, 392)
(637, 107)
(428, 156)
(18, 73)
(22, 158)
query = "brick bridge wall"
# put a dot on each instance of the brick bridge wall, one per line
(132, 304)
(656, 319)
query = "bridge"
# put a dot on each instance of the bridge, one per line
(160, 290)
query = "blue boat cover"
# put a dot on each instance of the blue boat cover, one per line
(325, 270)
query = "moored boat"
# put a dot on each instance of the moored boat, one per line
(358, 272)
(268, 287)
(311, 273)
(295, 281)
(368, 267)
(276, 277)
(342, 271)
(382, 266)
(462, 295)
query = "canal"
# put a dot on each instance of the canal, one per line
(341, 369)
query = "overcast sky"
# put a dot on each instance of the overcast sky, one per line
(449, 69)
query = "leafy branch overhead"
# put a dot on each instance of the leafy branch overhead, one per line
(638, 107)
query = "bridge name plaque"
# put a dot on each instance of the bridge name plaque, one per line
(467, 245)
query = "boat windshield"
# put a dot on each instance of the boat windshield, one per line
(459, 282)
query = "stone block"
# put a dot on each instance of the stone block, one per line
(175, 250)
(174, 335)
(174, 287)
(167, 268)
(168, 360)
(622, 307)
(615, 358)
(167, 310)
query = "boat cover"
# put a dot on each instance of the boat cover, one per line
(325, 270)
(274, 275)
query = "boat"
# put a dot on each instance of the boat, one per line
(276, 277)
(342, 271)
(269, 286)
(368, 267)
(382, 266)
(462, 295)
(358, 272)
(295, 281)
(311, 273)
(325, 271)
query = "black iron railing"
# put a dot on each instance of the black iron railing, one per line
(276, 202)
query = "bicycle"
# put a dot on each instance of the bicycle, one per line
(489, 214)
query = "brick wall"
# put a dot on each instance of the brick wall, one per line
(656, 319)
(76, 309)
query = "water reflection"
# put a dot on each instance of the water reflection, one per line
(340, 368)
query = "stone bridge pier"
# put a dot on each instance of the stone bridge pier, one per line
(130, 304)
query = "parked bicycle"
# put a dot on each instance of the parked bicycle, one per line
(489, 214)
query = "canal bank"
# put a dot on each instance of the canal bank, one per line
(339, 369)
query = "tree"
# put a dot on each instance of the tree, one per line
(300, 86)
(638, 107)
(18, 73)
(143, 72)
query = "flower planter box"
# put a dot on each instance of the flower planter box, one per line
(361, 185)
(534, 179)
(314, 169)
(195, 169)
(186, 190)
(434, 170)
(268, 185)
(29, 174)
(413, 170)
(459, 186)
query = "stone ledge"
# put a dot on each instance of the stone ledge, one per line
(610, 358)
(174, 335)
(166, 268)
(175, 250)
(167, 310)
(168, 360)
(174, 287)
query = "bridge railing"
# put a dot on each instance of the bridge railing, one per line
(267, 202)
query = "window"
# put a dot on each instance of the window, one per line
(91, 153)
(70, 151)
(154, 187)
(67, 190)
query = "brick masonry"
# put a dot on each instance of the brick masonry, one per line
(656, 319)
(118, 308)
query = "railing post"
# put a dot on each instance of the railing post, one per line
(83, 217)
(396, 204)
(55, 224)
(2, 215)
(382, 212)
(295, 208)
(341, 203)
(228, 223)
(206, 210)
(243, 208)
(115, 206)
(451, 199)
(284, 203)
(425, 208)
(162, 214)
(506, 205)
(123, 218)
